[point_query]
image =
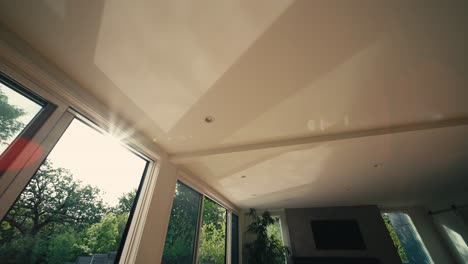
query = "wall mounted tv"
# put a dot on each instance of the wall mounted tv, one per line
(337, 235)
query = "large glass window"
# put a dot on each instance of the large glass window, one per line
(78, 204)
(235, 239)
(16, 112)
(406, 238)
(182, 232)
(213, 233)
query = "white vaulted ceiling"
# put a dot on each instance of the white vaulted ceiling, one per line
(307, 96)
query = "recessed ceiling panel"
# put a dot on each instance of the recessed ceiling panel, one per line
(397, 169)
(165, 55)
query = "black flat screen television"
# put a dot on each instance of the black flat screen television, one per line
(337, 235)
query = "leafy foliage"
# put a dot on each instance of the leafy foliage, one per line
(275, 229)
(57, 218)
(213, 233)
(267, 247)
(63, 247)
(396, 240)
(181, 233)
(53, 197)
(9, 125)
(212, 249)
(102, 237)
(125, 202)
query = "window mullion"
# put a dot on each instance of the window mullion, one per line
(200, 223)
(228, 236)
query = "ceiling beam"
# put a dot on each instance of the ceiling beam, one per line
(184, 157)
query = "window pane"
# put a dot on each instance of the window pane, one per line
(77, 204)
(213, 234)
(182, 231)
(406, 238)
(235, 239)
(274, 231)
(16, 112)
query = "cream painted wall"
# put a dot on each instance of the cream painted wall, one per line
(154, 233)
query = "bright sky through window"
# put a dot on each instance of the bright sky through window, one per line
(98, 160)
(70, 208)
(93, 158)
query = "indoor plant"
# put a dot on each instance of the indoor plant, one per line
(266, 248)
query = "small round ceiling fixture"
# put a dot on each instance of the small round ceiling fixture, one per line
(209, 119)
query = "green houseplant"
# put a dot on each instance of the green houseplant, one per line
(266, 248)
